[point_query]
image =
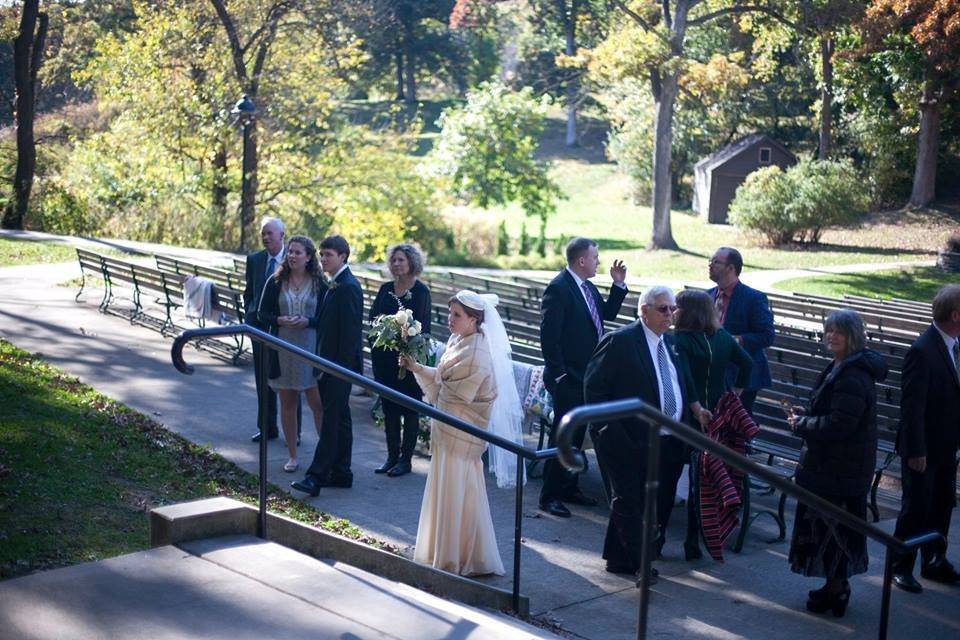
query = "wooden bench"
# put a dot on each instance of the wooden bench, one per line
(142, 285)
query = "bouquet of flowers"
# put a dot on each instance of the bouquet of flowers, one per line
(401, 333)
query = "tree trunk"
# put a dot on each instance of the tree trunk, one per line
(398, 57)
(27, 52)
(218, 197)
(408, 46)
(928, 142)
(826, 97)
(570, 31)
(664, 99)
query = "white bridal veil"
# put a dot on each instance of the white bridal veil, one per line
(506, 414)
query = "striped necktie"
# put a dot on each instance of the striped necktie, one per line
(592, 306)
(669, 400)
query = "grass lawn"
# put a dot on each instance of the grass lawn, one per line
(919, 283)
(15, 252)
(79, 472)
(598, 206)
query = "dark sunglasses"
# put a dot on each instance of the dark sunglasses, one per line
(667, 308)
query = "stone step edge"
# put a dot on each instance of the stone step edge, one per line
(215, 517)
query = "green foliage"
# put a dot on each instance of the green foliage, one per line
(15, 252)
(503, 239)
(524, 239)
(84, 470)
(486, 151)
(797, 204)
(918, 283)
(165, 166)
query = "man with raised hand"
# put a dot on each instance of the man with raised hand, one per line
(571, 323)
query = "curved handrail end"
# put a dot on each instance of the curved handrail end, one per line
(176, 353)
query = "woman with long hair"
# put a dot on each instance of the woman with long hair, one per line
(709, 352)
(291, 300)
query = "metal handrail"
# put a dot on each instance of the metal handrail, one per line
(334, 369)
(571, 458)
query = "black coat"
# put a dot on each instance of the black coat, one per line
(567, 333)
(269, 311)
(840, 429)
(417, 299)
(255, 276)
(930, 400)
(623, 368)
(340, 322)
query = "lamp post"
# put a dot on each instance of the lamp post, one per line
(245, 112)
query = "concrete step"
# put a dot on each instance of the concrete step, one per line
(234, 588)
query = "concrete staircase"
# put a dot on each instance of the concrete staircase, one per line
(234, 587)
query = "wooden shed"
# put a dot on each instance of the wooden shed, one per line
(717, 176)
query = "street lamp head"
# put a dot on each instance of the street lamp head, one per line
(244, 110)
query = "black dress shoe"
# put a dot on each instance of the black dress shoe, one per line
(555, 508)
(386, 466)
(834, 602)
(578, 497)
(622, 569)
(308, 485)
(942, 571)
(907, 582)
(337, 483)
(270, 436)
(400, 469)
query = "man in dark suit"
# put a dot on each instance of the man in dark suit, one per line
(339, 339)
(260, 266)
(571, 323)
(745, 313)
(638, 361)
(927, 442)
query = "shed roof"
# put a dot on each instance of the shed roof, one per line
(728, 152)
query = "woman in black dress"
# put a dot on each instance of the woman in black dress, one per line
(839, 452)
(405, 263)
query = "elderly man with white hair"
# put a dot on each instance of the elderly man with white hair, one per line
(260, 267)
(638, 360)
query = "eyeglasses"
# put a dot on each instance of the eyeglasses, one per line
(665, 309)
(717, 262)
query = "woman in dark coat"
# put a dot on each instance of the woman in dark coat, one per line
(839, 434)
(405, 263)
(708, 350)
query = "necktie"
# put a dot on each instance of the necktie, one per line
(271, 266)
(669, 400)
(592, 305)
(721, 305)
(956, 358)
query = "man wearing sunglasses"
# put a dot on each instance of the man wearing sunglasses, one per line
(745, 313)
(638, 360)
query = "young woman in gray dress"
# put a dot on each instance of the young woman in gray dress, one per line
(289, 306)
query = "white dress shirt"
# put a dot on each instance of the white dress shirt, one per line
(652, 341)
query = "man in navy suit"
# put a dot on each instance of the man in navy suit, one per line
(339, 339)
(745, 313)
(927, 442)
(260, 266)
(638, 361)
(571, 323)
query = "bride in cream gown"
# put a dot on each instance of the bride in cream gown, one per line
(456, 530)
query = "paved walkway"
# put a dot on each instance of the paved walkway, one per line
(562, 571)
